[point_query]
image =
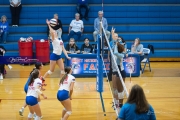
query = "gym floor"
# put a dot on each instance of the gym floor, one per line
(161, 87)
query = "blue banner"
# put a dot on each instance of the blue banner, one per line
(17, 59)
(85, 65)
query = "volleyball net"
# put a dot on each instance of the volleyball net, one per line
(103, 45)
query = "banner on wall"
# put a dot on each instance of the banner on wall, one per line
(89, 65)
(86, 66)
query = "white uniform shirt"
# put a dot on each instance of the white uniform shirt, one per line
(57, 46)
(67, 82)
(77, 25)
(34, 88)
(15, 2)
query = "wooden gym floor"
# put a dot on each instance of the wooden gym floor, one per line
(161, 87)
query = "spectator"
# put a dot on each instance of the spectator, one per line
(137, 48)
(15, 7)
(3, 62)
(57, 28)
(72, 48)
(86, 47)
(4, 29)
(97, 26)
(83, 4)
(137, 107)
(76, 27)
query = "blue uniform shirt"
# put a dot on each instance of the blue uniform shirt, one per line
(112, 44)
(26, 85)
(82, 2)
(97, 26)
(138, 48)
(128, 113)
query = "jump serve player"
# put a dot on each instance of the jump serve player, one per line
(34, 90)
(39, 67)
(64, 94)
(58, 47)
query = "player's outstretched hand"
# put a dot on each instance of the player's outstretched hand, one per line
(113, 30)
(43, 89)
(45, 97)
(47, 21)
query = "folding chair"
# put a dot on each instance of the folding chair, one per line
(146, 52)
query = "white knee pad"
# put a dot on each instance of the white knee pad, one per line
(121, 95)
(69, 112)
(49, 72)
(115, 91)
(64, 109)
(30, 115)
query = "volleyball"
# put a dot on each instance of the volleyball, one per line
(53, 22)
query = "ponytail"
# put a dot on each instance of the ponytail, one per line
(63, 78)
(32, 71)
(67, 71)
(33, 76)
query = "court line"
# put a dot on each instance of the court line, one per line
(103, 98)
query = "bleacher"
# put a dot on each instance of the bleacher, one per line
(155, 22)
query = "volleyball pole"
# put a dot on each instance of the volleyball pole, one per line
(99, 77)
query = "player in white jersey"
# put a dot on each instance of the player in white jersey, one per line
(34, 90)
(65, 91)
(39, 66)
(55, 57)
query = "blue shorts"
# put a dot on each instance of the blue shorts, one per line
(55, 57)
(31, 100)
(62, 95)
